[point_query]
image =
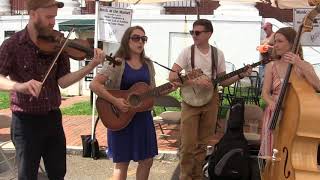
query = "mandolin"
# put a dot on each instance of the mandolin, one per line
(140, 97)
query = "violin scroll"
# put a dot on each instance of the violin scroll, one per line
(113, 61)
(310, 18)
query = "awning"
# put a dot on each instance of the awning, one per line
(288, 4)
(78, 24)
(283, 4)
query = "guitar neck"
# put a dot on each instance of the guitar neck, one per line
(163, 89)
(234, 73)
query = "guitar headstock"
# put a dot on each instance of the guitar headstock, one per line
(195, 73)
(113, 61)
(266, 51)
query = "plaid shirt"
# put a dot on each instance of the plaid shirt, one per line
(21, 60)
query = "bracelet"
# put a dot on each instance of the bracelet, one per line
(240, 77)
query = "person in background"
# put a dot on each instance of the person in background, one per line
(138, 140)
(275, 73)
(36, 129)
(198, 123)
(268, 40)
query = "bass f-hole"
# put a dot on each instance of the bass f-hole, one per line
(286, 152)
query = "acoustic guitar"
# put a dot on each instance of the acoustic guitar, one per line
(140, 98)
(197, 96)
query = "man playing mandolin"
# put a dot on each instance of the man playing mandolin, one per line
(197, 122)
(36, 129)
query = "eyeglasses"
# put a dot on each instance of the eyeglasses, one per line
(197, 33)
(136, 38)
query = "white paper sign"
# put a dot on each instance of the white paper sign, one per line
(113, 22)
(307, 38)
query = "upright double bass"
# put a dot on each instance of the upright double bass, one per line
(297, 131)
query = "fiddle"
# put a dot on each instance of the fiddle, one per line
(51, 42)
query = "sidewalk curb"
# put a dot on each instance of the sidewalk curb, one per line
(77, 150)
(162, 154)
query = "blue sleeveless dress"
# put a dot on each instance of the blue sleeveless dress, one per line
(138, 140)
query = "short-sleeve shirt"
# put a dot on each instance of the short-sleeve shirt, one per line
(268, 40)
(22, 60)
(202, 61)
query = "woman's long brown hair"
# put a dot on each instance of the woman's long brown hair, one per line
(124, 49)
(290, 34)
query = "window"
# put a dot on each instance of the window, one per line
(8, 34)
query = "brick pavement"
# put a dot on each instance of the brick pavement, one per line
(74, 126)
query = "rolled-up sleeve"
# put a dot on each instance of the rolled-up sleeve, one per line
(107, 70)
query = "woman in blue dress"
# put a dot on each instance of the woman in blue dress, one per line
(137, 141)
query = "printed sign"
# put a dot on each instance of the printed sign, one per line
(113, 22)
(89, 76)
(307, 38)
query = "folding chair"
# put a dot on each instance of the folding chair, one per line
(7, 151)
(253, 115)
(168, 116)
(254, 90)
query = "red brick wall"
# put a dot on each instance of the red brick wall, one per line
(207, 7)
(282, 15)
(18, 4)
(90, 7)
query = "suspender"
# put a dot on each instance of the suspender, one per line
(192, 56)
(214, 58)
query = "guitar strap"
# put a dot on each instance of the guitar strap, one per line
(214, 58)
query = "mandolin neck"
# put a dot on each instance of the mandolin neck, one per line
(234, 73)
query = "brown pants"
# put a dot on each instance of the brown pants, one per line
(197, 125)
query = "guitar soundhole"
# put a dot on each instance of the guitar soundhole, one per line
(134, 100)
(318, 157)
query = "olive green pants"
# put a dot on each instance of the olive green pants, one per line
(197, 126)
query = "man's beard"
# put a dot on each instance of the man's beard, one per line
(42, 31)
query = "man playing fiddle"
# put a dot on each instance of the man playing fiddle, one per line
(36, 128)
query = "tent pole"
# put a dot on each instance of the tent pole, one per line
(96, 28)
